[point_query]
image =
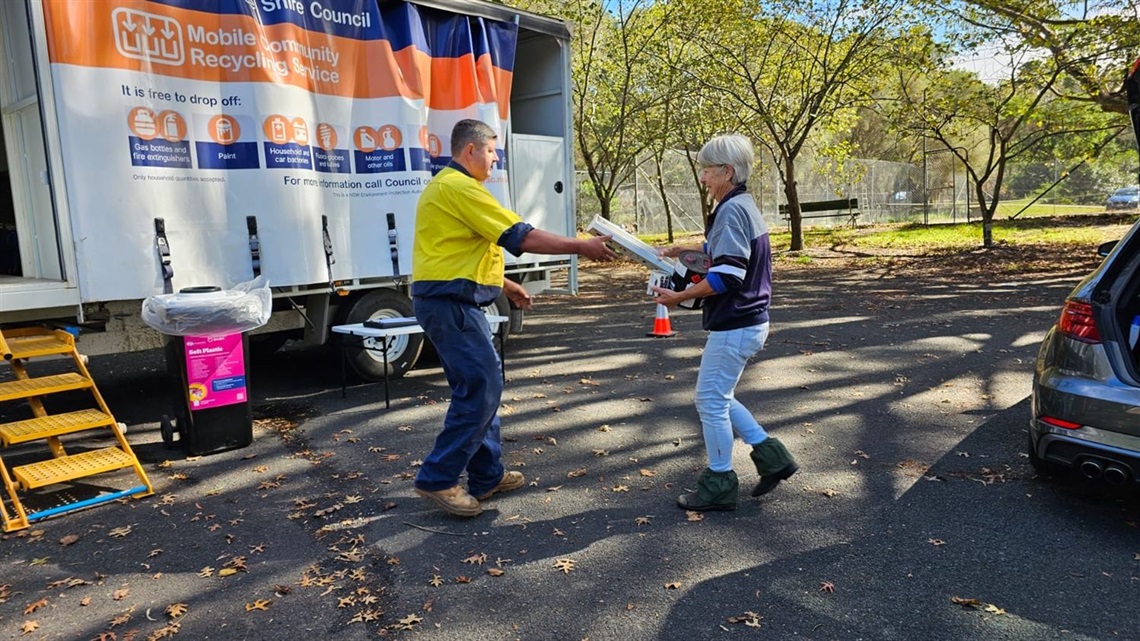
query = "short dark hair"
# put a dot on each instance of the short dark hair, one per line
(470, 131)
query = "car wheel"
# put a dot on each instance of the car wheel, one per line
(366, 358)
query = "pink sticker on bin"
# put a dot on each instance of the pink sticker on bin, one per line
(215, 371)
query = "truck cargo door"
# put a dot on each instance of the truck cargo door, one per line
(27, 217)
(538, 176)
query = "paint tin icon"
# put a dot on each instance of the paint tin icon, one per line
(224, 130)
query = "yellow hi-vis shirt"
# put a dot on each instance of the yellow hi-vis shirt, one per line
(456, 253)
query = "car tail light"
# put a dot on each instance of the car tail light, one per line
(1077, 322)
(1056, 422)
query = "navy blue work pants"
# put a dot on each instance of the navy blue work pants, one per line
(470, 438)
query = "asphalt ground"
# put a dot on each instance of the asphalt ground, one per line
(900, 388)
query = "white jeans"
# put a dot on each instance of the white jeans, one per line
(726, 353)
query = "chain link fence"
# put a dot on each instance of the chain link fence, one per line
(932, 191)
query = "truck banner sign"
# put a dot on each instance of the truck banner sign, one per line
(204, 112)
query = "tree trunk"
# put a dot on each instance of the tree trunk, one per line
(987, 209)
(657, 160)
(791, 192)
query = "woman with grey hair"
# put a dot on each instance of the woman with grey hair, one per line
(736, 294)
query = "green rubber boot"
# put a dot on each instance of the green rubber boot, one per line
(773, 463)
(715, 491)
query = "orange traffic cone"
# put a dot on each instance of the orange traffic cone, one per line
(662, 328)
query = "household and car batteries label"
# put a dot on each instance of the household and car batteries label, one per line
(204, 112)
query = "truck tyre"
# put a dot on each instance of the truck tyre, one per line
(500, 307)
(367, 360)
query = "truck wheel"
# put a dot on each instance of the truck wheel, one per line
(500, 307)
(166, 428)
(367, 360)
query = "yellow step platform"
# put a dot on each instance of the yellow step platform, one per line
(19, 348)
(53, 425)
(43, 385)
(69, 468)
(37, 345)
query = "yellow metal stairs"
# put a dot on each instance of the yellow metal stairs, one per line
(17, 347)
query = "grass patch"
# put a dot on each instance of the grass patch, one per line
(1087, 231)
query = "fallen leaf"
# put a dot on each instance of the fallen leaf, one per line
(227, 572)
(477, 559)
(121, 594)
(673, 586)
(206, 572)
(436, 581)
(40, 560)
(85, 601)
(692, 515)
(605, 428)
(642, 520)
(462, 579)
(647, 472)
(176, 610)
(586, 381)
(120, 620)
(69, 539)
(973, 603)
(573, 474)
(620, 488)
(32, 607)
(826, 586)
(495, 572)
(408, 622)
(601, 452)
(749, 619)
(153, 553)
(120, 532)
(259, 604)
(993, 609)
(29, 627)
(566, 565)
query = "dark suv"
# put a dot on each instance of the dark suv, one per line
(1086, 384)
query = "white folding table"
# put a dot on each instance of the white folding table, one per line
(379, 339)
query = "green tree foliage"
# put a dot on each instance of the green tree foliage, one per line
(989, 126)
(794, 69)
(1092, 42)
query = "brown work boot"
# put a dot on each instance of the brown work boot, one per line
(454, 500)
(511, 480)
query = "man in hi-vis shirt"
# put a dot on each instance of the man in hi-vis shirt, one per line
(457, 267)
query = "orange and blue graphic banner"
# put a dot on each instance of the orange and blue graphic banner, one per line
(209, 111)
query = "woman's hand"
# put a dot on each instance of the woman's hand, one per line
(667, 297)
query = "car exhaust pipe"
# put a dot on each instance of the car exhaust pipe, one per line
(1116, 475)
(1091, 469)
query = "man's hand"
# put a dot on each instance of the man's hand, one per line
(595, 248)
(517, 294)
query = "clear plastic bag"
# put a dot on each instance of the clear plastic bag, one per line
(209, 311)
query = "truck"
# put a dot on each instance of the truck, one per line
(156, 145)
